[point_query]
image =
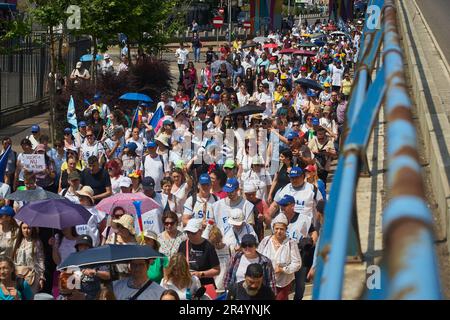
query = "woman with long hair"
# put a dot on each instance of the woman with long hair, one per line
(243, 95)
(71, 167)
(171, 237)
(249, 80)
(69, 139)
(96, 123)
(28, 255)
(281, 178)
(182, 185)
(115, 175)
(178, 277)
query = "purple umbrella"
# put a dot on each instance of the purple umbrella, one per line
(53, 213)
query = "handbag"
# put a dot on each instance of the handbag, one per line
(26, 273)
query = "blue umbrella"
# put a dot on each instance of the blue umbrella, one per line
(133, 96)
(53, 213)
(109, 254)
(89, 57)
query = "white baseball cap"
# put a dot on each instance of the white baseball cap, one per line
(194, 225)
(236, 217)
(250, 187)
(125, 182)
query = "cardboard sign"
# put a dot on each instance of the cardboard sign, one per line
(34, 162)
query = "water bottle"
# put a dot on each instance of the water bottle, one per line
(188, 294)
(205, 234)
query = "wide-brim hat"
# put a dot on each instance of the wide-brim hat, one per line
(86, 191)
(127, 222)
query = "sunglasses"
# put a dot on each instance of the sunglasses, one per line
(247, 245)
(308, 119)
(295, 125)
(89, 135)
(169, 223)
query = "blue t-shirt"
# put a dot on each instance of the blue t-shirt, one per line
(27, 293)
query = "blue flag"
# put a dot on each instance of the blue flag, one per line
(3, 162)
(72, 116)
(159, 113)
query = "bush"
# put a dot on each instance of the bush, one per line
(149, 76)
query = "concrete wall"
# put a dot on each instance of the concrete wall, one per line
(12, 116)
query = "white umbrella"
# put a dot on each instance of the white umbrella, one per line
(261, 39)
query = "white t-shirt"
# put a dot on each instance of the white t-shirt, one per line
(153, 167)
(115, 184)
(267, 99)
(337, 76)
(91, 228)
(140, 145)
(304, 198)
(94, 150)
(197, 212)
(182, 55)
(151, 220)
(195, 285)
(221, 210)
(224, 256)
(242, 269)
(123, 292)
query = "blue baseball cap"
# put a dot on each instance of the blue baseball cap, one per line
(144, 104)
(292, 135)
(231, 185)
(204, 179)
(68, 131)
(311, 93)
(201, 97)
(82, 124)
(7, 211)
(215, 97)
(286, 200)
(131, 145)
(152, 144)
(97, 96)
(315, 121)
(35, 128)
(295, 172)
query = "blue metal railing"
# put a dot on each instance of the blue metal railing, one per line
(409, 266)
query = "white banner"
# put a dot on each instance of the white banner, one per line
(34, 162)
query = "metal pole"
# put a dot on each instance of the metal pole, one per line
(407, 222)
(229, 22)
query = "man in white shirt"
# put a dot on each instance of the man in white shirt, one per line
(182, 55)
(74, 186)
(107, 65)
(204, 200)
(35, 135)
(304, 193)
(151, 220)
(154, 165)
(223, 207)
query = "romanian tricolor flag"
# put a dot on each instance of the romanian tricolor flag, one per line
(137, 118)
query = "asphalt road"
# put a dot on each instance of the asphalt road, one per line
(436, 13)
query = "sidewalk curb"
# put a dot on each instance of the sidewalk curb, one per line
(438, 165)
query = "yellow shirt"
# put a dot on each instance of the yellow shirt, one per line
(80, 166)
(346, 87)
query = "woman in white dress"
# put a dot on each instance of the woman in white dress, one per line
(171, 237)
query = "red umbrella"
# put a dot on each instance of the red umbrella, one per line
(287, 51)
(270, 45)
(305, 53)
